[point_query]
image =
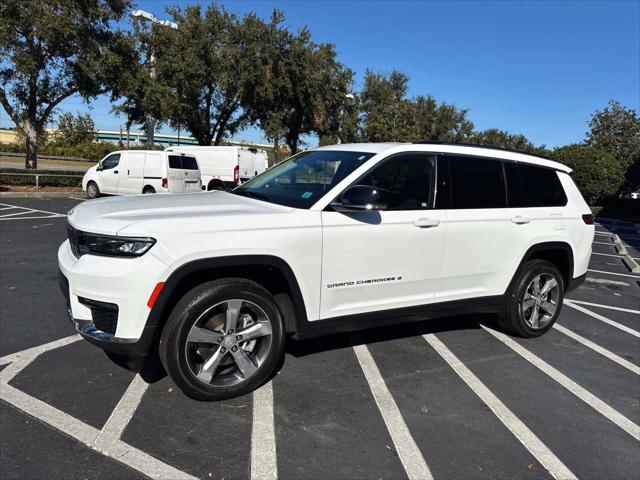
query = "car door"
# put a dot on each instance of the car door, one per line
(131, 173)
(378, 260)
(191, 174)
(109, 173)
(484, 237)
(175, 174)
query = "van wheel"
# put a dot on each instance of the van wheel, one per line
(223, 339)
(535, 300)
(148, 190)
(216, 184)
(92, 190)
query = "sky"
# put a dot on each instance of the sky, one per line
(539, 68)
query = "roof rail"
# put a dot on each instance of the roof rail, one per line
(477, 145)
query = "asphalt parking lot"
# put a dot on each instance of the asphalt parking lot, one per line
(446, 399)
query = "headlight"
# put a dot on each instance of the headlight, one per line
(89, 243)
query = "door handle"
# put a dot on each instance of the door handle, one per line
(115, 171)
(519, 219)
(426, 223)
(127, 172)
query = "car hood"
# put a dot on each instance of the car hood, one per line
(110, 215)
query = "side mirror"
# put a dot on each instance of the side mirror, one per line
(359, 198)
(99, 167)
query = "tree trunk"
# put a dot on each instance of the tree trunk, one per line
(150, 127)
(31, 134)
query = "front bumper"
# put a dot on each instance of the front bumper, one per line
(124, 283)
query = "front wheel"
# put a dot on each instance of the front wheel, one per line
(223, 339)
(535, 300)
(92, 190)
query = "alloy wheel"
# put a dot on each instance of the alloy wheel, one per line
(228, 343)
(540, 301)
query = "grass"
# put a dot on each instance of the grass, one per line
(42, 163)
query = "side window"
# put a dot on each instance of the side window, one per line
(476, 182)
(111, 161)
(408, 180)
(189, 163)
(531, 186)
(174, 161)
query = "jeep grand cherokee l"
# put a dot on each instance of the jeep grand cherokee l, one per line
(336, 238)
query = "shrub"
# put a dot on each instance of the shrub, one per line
(43, 179)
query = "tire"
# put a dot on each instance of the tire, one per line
(519, 311)
(216, 184)
(93, 191)
(148, 190)
(206, 356)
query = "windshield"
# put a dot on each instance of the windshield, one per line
(304, 178)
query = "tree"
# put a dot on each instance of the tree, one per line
(144, 99)
(494, 137)
(616, 129)
(389, 116)
(75, 129)
(49, 51)
(597, 173)
(207, 62)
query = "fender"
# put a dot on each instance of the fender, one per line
(156, 317)
(546, 246)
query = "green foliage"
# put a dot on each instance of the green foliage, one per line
(43, 179)
(75, 129)
(596, 172)
(616, 129)
(389, 116)
(50, 50)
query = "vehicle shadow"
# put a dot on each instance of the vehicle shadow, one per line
(151, 370)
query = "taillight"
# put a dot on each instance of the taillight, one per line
(165, 183)
(588, 218)
(236, 174)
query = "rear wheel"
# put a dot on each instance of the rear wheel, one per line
(92, 190)
(535, 300)
(223, 339)
(148, 190)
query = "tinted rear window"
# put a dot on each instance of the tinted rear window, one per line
(531, 186)
(189, 163)
(476, 183)
(182, 162)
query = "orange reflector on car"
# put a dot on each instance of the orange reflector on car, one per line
(154, 294)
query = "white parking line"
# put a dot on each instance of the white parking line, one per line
(412, 460)
(612, 273)
(65, 423)
(26, 211)
(597, 316)
(594, 402)
(122, 414)
(604, 243)
(529, 440)
(609, 234)
(34, 351)
(597, 348)
(619, 309)
(264, 464)
(607, 254)
(80, 431)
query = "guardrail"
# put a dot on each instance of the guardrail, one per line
(38, 175)
(47, 157)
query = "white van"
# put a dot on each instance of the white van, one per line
(132, 172)
(226, 165)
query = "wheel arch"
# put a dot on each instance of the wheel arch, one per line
(271, 272)
(148, 186)
(558, 253)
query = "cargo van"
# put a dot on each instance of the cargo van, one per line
(226, 167)
(132, 172)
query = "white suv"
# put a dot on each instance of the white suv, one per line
(336, 238)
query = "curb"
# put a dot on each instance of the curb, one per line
(79, 195)
(626, 258)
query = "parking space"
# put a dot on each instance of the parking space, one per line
(451, 398)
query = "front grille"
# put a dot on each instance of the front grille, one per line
(104, 315)
(74, 240)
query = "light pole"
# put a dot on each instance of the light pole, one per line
(143, 16)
